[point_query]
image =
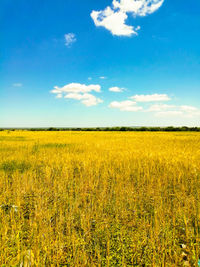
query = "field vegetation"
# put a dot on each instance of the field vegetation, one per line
(99, 198)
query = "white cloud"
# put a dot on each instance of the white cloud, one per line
(92, 101)
(169, 113)
(116, 89)
(190, 111)
(114, 18)
(138, 7)
(170, 110)
(86, 99)
(188, 108)
(79, 92)
(151, 98)
(159, 110)
(70, 38)
(144, 103)
(76, 88)
(114, 21)
(127, 105)
(17, 84)
(59, 96)
(102, 77)
(160, 107)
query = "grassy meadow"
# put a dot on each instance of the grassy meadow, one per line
(99, 198)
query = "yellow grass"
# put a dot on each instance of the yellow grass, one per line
(99, 199)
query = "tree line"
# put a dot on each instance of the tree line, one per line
(114, 129)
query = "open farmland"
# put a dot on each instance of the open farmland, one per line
(99, 198)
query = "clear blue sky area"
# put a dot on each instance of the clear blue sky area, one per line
(59, 67)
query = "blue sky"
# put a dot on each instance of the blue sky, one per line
(99, 63)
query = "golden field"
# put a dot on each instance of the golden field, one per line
(99, 199)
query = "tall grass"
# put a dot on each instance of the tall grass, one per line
(99, 199)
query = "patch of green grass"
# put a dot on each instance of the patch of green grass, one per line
(69, 147)
(13, 165)
(7, 149)
(12, 138)
(37, 147)
(55, 145)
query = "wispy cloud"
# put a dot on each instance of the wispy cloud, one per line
(163, 110)
(143, 103)
(86, 99)
(160, 107)
(116, 89)
(17, 84)
(70, 38)
(59, 96)
(114, 18)
(151, 98)
(102, 77)
(168, 113)
(188, 108)
(79, 92)
(127, 105)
